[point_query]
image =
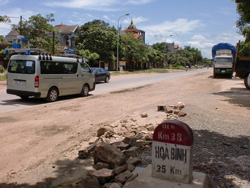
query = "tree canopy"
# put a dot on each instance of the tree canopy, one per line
(5, 19)
(98, 37)
(37, 29)
(243, 24)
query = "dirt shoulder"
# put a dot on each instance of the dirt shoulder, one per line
(39, 145)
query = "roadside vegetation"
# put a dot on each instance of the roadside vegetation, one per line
(242, 24)
(97, 42)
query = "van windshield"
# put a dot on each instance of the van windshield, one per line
(21, 66)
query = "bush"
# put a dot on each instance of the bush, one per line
(1, 69)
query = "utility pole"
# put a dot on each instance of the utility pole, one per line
(21, 24)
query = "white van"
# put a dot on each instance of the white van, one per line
(48, 77)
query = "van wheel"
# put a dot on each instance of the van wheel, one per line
(52, 94)
(247, 81)
(85, 91)
(107, 79)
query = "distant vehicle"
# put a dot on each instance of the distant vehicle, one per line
(223, 55)
(242, 67)
(101, 74)
(48, 77)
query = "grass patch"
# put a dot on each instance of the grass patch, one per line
(3, 77)
(140, 71)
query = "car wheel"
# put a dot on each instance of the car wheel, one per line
(247, 81)
(107, 79)
(52, 94)
(85, 91)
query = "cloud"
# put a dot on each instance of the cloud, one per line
(15, 13)
(99, 5)
(4, 2)
(163, 31)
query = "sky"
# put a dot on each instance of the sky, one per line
(196, 23)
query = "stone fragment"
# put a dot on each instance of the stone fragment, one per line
(182, 114)
(132, 152)
(103, 130)
(132, 139)
(180, 105)
(123, 146)
(130, 167)
(103, 175)
(148, 137)
(120, 169)
(90, 182)
(161, 108)
(130, 180)
(108, 154)
(112, 185)
(133, 161)
(176, 112)
(101, 165)
(144, 115)
(123, 177)
(168, 111)
(83, 154)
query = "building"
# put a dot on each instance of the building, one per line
(140, 34)
(66, 35)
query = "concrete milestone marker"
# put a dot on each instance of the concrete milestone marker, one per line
(172, 151)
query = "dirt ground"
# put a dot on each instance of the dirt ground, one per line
(39, 145)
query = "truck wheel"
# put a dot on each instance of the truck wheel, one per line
(85, 90)
(52, 95)
(247, 81)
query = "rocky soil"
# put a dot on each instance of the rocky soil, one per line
(41, 146)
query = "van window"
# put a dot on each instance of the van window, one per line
(21, 66)
(49, 67)
(85, 68)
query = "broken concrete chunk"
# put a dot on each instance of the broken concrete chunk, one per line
(103, 175)
(132, 152)
(161, 108)
(123, 177)
(103, 130)
(91, 182)
(120, 169)
(108, 154)
(133, 161)
(144, 115)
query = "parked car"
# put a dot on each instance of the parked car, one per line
(101, 74)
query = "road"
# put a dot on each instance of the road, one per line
(12, 102)
(40, 143)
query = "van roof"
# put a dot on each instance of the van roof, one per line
(47, 58)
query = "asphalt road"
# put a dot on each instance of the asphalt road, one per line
(12, 102)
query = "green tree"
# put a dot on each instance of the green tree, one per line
(5, 19)
(155, 57)
(92, 57)
(180, 58)
(98, 37)
(164, 49)
(37, 29)
(136, 53)
(196, 54)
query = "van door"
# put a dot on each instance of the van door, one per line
(86, 75)
(21, 75)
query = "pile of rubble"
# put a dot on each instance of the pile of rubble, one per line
(117, 150)
(114, 159)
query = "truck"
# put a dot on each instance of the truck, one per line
(242, 67)
(223, 55)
